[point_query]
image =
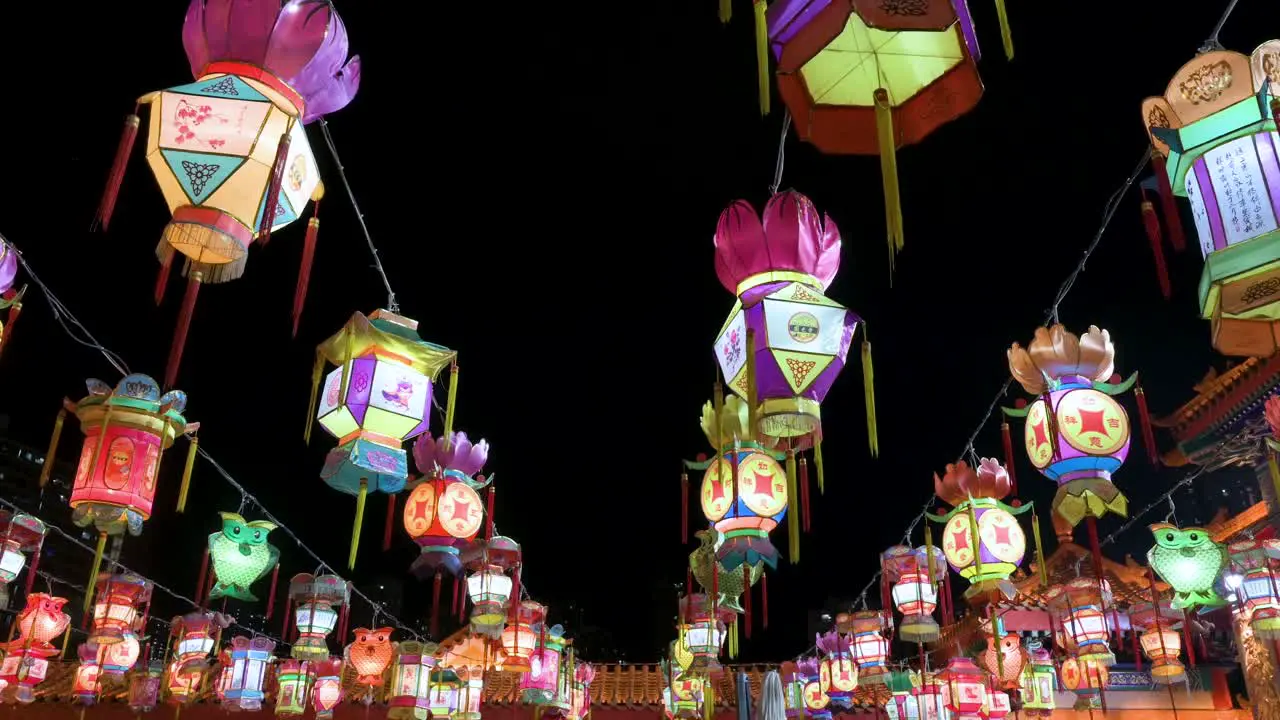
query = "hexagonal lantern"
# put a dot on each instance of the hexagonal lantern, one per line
(317, 602)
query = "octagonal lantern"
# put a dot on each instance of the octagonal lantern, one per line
(411, 681)
(20, 534)
(293, 682)
(317, 602)
(914, 590)
(1161, 642)
(1258, 564)
(541, 684)
(250, 659)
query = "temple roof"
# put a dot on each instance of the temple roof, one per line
(1221, 397)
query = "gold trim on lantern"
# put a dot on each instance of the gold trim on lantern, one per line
(774, 276)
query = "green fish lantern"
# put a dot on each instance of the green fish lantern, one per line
(240, 555)
(1189, 560)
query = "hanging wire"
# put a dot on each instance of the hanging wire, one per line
(1212, 43)
(782, 154)
(392, 305)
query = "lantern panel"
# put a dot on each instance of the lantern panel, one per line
(292, 680)
(861, 59)
(144, 688)
(119, 658)
(411, 682)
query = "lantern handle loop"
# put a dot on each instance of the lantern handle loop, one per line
(782, 154)
(1172, 517)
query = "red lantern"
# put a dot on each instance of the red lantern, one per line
(119, 658)
(326, 692)
(183, 684)
(370, 655)
(520, 639)
(85, 686)
(1079, 606)
(116, 609)
(195, 633)
(965, 691)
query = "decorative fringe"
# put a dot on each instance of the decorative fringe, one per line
(93, 571)
(390, 523)
(762, 54)
(888, 141)
(764, 599)
(119, 164)
(1006, 438)
(817, 462)
(1035, 534)
(1148, 435)
(193, 449)
(271, 596)
(1168, 207)
(180, 332)
(202, 577)
(793, 500)
(220, 273)
(684, 508)
(1006, 35)
(355, 529)
(284, 626)
(51, 456)
(726, 10)
(1152, 225)
(272, 200)
(869, 393)
(804, 494)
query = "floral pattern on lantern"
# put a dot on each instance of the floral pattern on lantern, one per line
(317, 602)
(965, 690)
(370, 655)
(540, 686)
(326, 691)
(411, 681)
(979, 520)
(250, 659)
(1256, 561)
(867, 630)
(293, 680)
(914, 589)
(1039, 682)
(492, 565)
(1161, 642)
(116, 609)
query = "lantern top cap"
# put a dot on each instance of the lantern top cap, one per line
(26, 530)
(258, 643)
(138, 393)
(1055, 353)
(363, 335)
(323, 588)
(302, 42)
(789, 237)
(961, 483)
(899, 560)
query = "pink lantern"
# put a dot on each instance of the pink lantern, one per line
(915, 591)
(870, 647)
(519, 639)
(1160, 639)
(86, 685)
(196, 639)
(26, 661)
(540, 685)
(326, 692)
(838, 671)
(317, 601)
(965, 691)
(144, 688)
(117, 605)
(579, 695)
(119, 658)
(184, 684)
(998, 705)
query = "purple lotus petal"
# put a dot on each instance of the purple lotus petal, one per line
(8, 266)
(475, 459)
(424, 453)
(337, 94)
(193, 37)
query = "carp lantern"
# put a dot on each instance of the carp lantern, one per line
(1076, 433)
(1213, 139)
(317, 600)
(228, 150)
(492, 583)
(979, 520)
(21, 534)
(378, 396)
(26, 660)
(868, 629)
(540, 686)
(119, 600)
(411, 681)
(914, 581)
(250, 658)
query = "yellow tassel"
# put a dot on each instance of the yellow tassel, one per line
(752, 402)
(66, 641)
(193, 449)
(355, 530)
(869, 392)
(316, 372)
(1275, 474)
(793, 509)
(928, 552)
(93, 571)
(346, 366)
(817, 461)
(975, 539)
(1035, 533)
(762, 54)
(1006, 36)
(51, 456)
(709, 700)
(888, 140)
(449, 405)
(726, 10)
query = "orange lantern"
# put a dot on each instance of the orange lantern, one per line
(1004, 656)
(520, 638)
(370, 655)
(838, 674)
(183, 684)
(1160, 639)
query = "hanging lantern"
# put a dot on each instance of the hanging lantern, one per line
(702, 632)
(370, 655)
(816, 703)
(1083, 437)
(490, 582)
(900, 704)
(1213, 142)
(144, 687)
(223, 678)
(195, 632)
(1256, 562)
(539, 686)
(793, 683)
(293, 678)
(326, 691)
(411, 681)
(9, 298)
(965, 692)
(682, 694)
(119, 658)
(1086, 677)
(520, 638)
(1039, 683)
(228, 150)
(869, 644)
(119, 599)
(249, 661)
(470, 693)
(444, 693)
(915, 588)
(1161, 642)
(838, 668)
(998, 705)
(1004, 656)
(1190, 561)
(183, 685)
(1080, 606)
(378, 397)
(729, 584)
(240, 556)
(26, 660)
(19, 534)
(580, 694)
(999, 539)
(86, 684)
(931, 696)
(317, 601)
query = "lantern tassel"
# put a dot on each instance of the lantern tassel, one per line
(202, 577)
(869, 393)
(391, 521)
(1148, 435)
(817, 462)
(184, 488)
(753, 398)
(488, 512)
(304, 267)
(888, 142)
(271, 596)
(33, 568)
(355, 529)
(708, 701)
(194, 278)
(1190, 640)
(317, 371)
(1007, 439)
(435, 605)
(462, 607)
(1006, 35)
(746, 599)
(449, 405)
(1040, 566)
(515, 590)
(162, 278)
(284, 629)
(52, 454)
(764, 599)
(457, 590)
(1152, 225)
(684, 508)
(271, 203)
(804, 493)
(762, 54)
(726, 11)
(93, 571)
(793, 501)
(15, 311)
(107, 206)
(1168, 207)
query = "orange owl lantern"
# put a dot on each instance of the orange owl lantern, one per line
(980, 521)
(1004, 657)
(370, 655)
(26, 660)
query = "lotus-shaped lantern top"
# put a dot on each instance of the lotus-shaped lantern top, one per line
(735, 422)
(961, 482)
(808, 667)
(460, 454)
(832, 643)
(1055, 353)
(792, 238)
(301, 42)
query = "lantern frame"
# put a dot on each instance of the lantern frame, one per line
(318, 601)
(411, 681)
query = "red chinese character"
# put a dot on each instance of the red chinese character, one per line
(1095, 442)
(1071, 420)
(1113, 423)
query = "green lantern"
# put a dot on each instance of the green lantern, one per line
(241, 556)
(1039, 682)
(292, 678)
(1190, 561)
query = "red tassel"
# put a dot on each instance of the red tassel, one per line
(184, 324)
(457, 590)
(684, 508)
(1152, 225)
(14, 311)
(204, 572)
(288, 615)
(804, 494)
(886, 600)
(435, 605)
(391, 521)
(688, 580)
(304, 268)
(34, 567)
(746, 600)
(346, 617)
(1172, 220)
(462, 606)
(948, 612)
(1137, 652)
(272, 200)
(1189, 641)
(715, 583)
(489, 512)
(121, 162)
(271, 597)
(162, 277)
(764, 600)
(1148, 435)
(1007, 439)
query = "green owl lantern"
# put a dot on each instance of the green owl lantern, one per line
(1189, 560)
(240, 555)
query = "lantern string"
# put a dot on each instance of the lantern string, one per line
(392, 305)
(1212, 43)
(782, 154)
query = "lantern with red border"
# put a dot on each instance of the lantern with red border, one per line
(86, 685)
(931, 695)
(411, 681)
(838, 668)
(326, 691)
(19, 534)
(26, 660)
(250, 658)
(998, 705)
(520, 638)
(1086, 677)
(900, 704)
(915, 589)
(317, 602)
(965, 691)
(491, 584)
(980, 520)
(225, 674)
(119, 600)
(540, 685)
(370, 655)
(1256, 562)
(580, 692)
(195, 633)
(1079, 606)
(144, 687)
(470, 692)
(293, 680)
(120, 657)
(867, 629)
(817, 705)
(1160, 639)
(183, 685)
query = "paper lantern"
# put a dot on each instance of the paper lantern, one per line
(119, 658)
(867, 78)
(779, 266)
(85, 685)
(326, 691)
(580, 693)
(683, 694)
(490, 583)
(228, 150)
(1086, 677)
(520, 638)
(838, 673)
(540, 685)
(470, 694)
(250, 658)
(1081, 436)
(1161, 642)
(411, 681)
(19, 534)
(225, 673)
(370, 655)
(378, 396)
(914, 588)
(1003, 657)
(702, 632)
(293, 679)
(793, 683)
(1039, 682)
(40, 622)
(183, 685)
(317, 601)
(240, 556)
(1256, 562)
(1213, 137)
(965, 690)
(144, 687)
(9, 298)
(195, 632)
(1000, 542)
(1079, 606)
(444, 693)
(1190, 561)
(931, 697)
(869, 644)
(998, 705)
(816, 703)
(118, 602)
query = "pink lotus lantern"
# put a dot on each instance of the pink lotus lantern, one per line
(117, 606)
(85, 686)
(26, 661)
(965, 691)
(540, 686)
(915, 591)
(520, 638)
(326, 692)
(870, 646)
(838, 672)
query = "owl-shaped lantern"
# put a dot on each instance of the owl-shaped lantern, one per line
(520, 637)
(19, 534)
(317, 602)
(795, 337)
(817, 704)
(144, 687)
(240, 556)
(493, 566)
(979, 521)
(378, 396)
(1213, 138)
(119, 600)
(744, 491)
(914, 580)
(26, 660)
(293, 683)
(326, 690)
(370, 655)
(540, 686)
(868, 631)
(1076, 433)
(838, 672)
(1158, 634)
(250, 658)
(228, 150)
(1256, 562)
(411, 681)
(1004, 656)
(1190, 561)
(1039, 682)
